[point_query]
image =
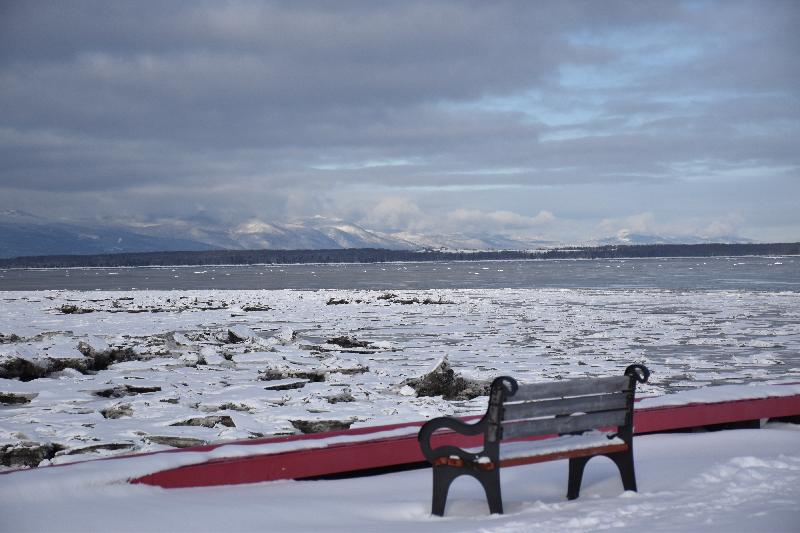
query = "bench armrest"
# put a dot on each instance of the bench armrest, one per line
(447, 422)
(638, 372)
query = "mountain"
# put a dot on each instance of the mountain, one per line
(315, 233)
(23, 234)
(323, 233)
(625, 237)
(472, 241)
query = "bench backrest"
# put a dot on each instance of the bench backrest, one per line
(562, 407)
(566, 407)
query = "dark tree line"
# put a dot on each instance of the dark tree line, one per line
(378, 255)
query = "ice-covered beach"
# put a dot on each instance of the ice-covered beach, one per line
(145, 370)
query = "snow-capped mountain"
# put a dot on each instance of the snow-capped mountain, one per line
(310, 233)
(23, 234)
(472, 241)
(625, 237)
(316, 232)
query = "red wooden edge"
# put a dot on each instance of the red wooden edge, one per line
(655, 419)
(389, 452)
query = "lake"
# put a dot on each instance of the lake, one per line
(709, 273)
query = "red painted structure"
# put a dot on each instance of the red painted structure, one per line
(352, 457)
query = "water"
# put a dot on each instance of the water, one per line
(712, 273)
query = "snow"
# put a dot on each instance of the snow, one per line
(519, 449)
(741, 480)
(721, 393)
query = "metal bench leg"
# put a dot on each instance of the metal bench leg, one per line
(443, 476)
(624, 461)
(576, 466)
(491, 485)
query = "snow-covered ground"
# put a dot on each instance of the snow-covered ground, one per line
(189, 367)
(741, 480)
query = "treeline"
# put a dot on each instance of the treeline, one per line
(688, 250)
(379, 255)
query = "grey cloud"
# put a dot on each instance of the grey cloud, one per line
(278, 109)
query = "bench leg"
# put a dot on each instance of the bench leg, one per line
(624, 461)
(442, 478)
(576, 466)
(491, 485)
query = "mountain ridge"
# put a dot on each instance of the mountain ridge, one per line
(24, 234)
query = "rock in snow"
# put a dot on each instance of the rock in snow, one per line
(348, 342)
(175, 442)
(320, 426)
(443, 381)
(26, 454)
(118, 411)
(14, 398)
(207, 421)
(241, 333)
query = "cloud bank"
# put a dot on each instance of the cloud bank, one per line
(545, 118)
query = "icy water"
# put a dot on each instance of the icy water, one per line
(713, 273)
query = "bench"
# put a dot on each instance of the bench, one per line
(587, 417)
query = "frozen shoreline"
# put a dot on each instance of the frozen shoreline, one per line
(176, 376)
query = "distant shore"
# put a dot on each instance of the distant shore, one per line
(377, 255)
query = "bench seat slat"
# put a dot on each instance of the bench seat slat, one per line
(564, 406)
(571, 387)
(569, 444)
(610, 448)
(565, 424)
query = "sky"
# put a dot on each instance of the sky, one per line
(552, 120)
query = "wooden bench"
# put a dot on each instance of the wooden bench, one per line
(588, 417)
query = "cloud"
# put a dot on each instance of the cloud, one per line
(396, 214)
(723, 227)
(642, 223)
(274, 110)
(400, 214)
(473, 219)
(709, 227)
